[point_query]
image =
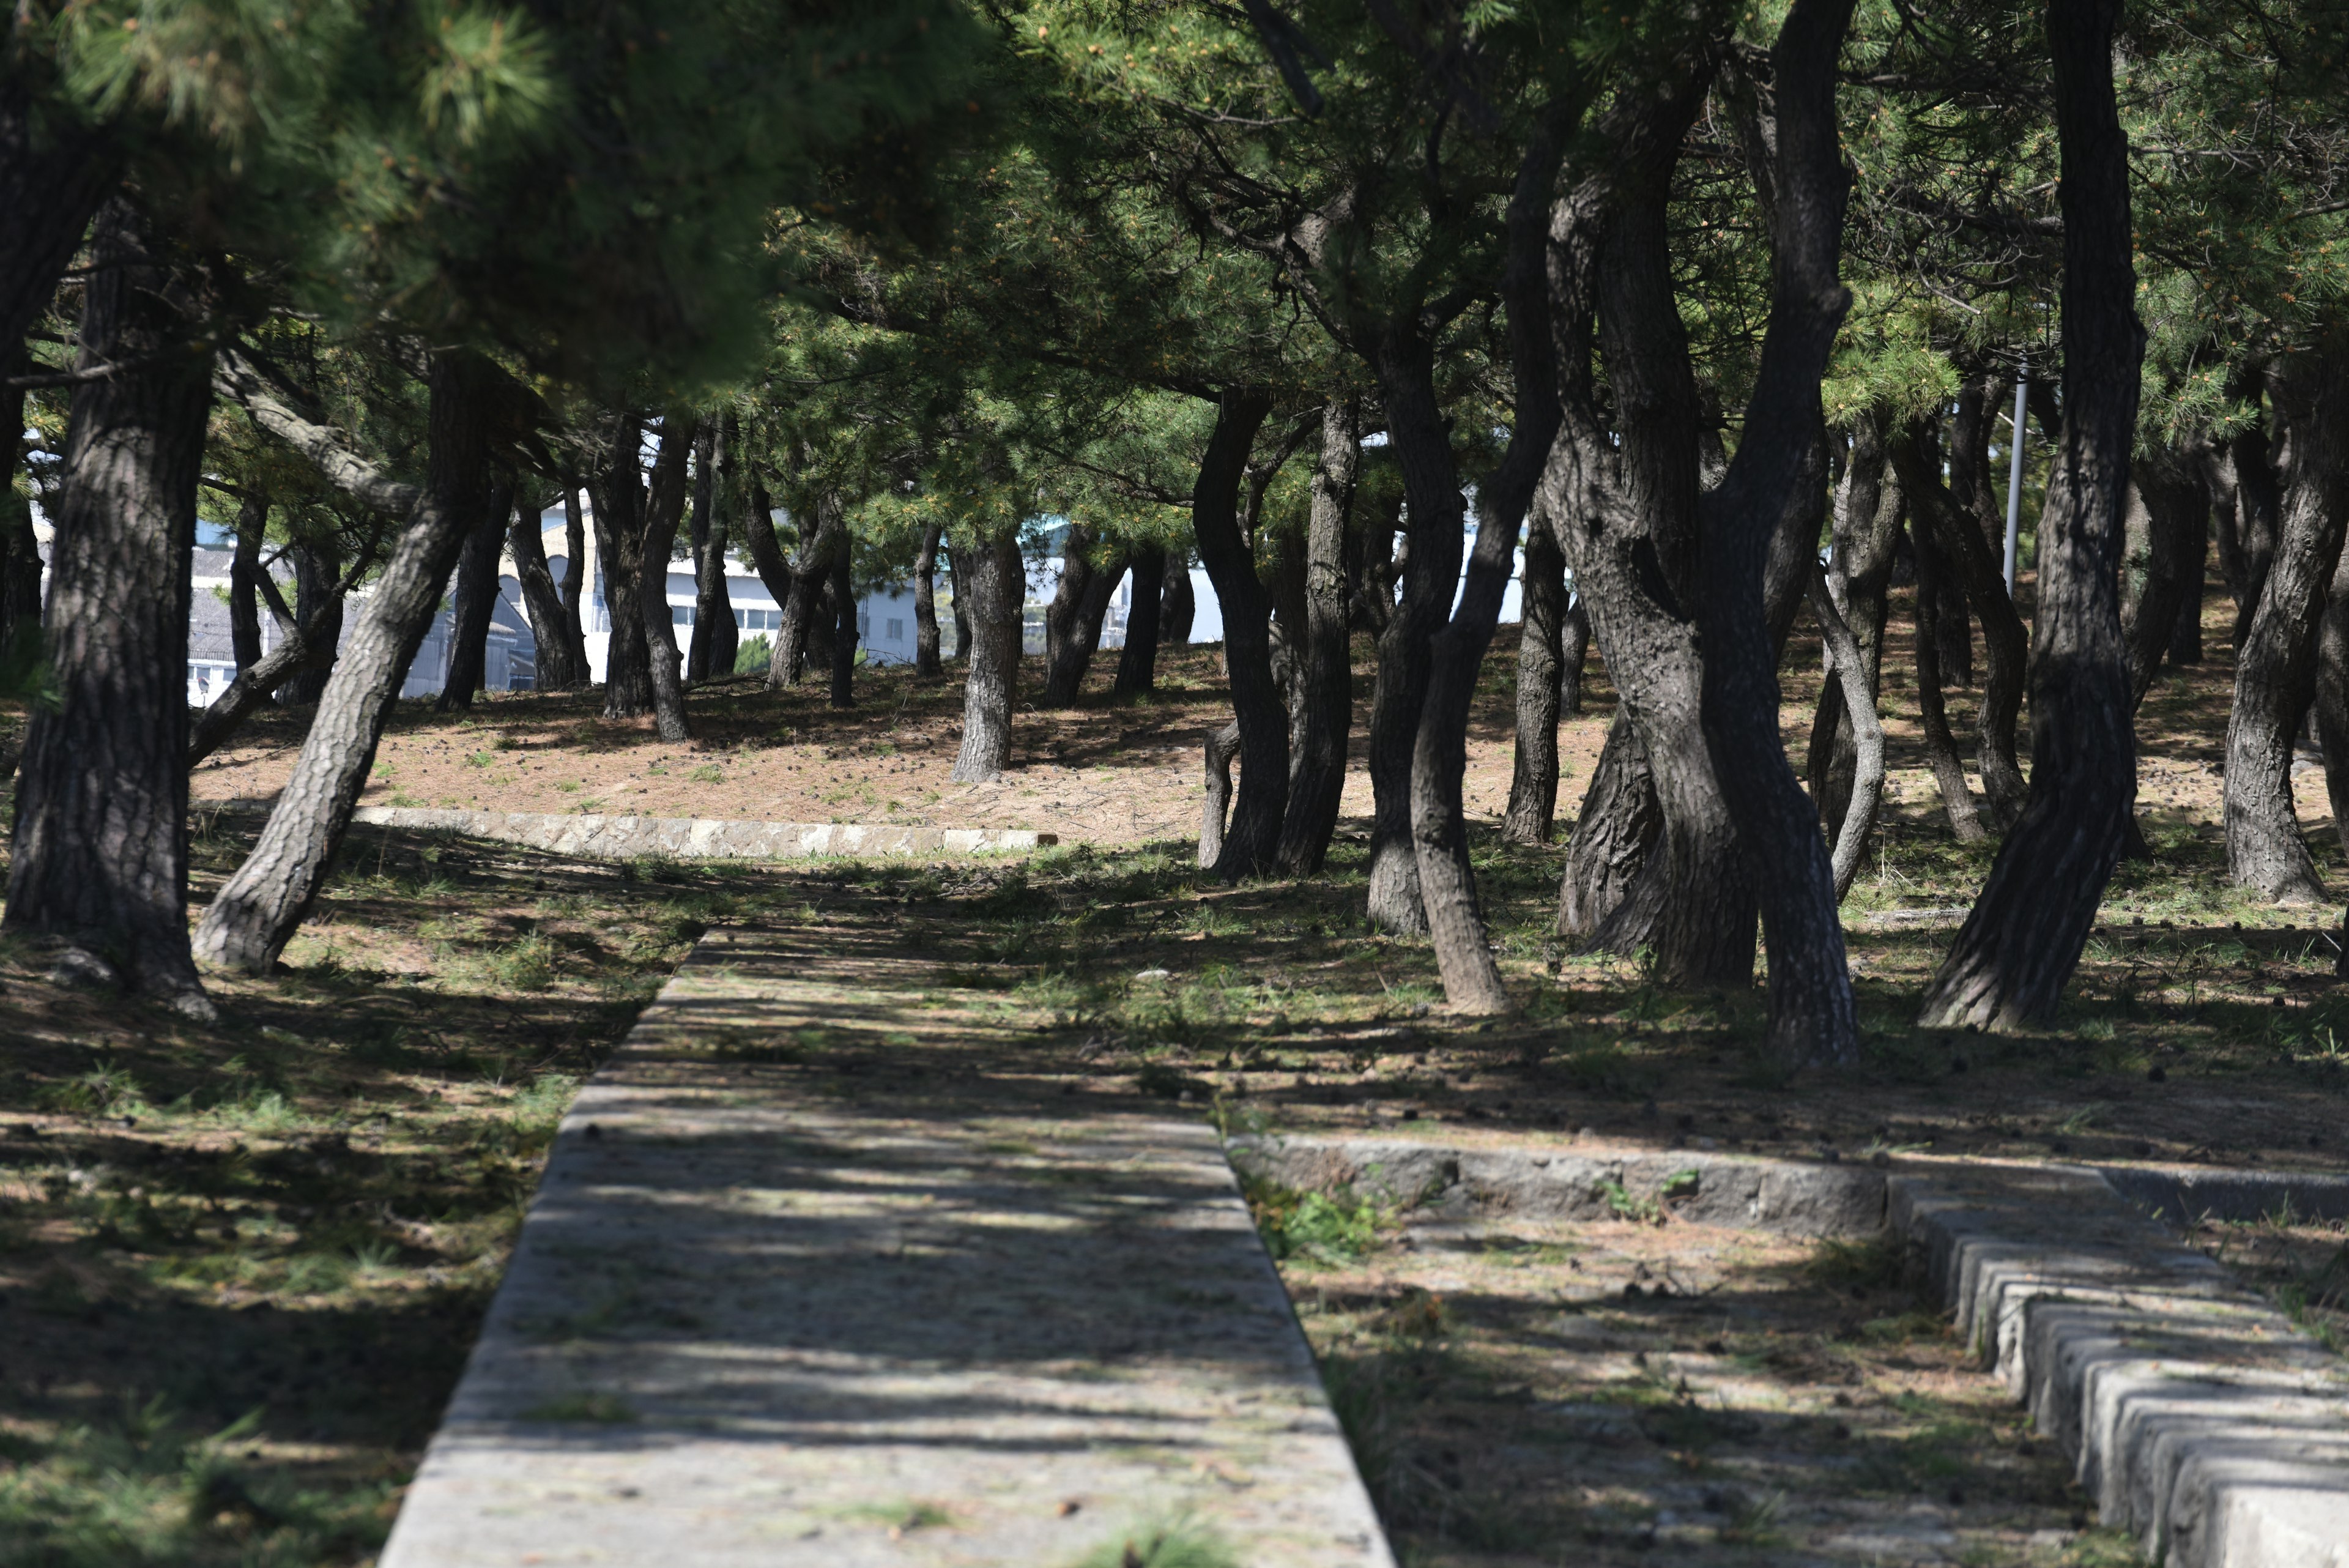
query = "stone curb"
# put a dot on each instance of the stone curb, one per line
(702, 839)
(2198, 1416)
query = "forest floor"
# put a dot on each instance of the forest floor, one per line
(240, 1265)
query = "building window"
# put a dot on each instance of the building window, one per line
(896, 632)
(680, 615)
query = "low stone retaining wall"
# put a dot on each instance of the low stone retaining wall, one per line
(2198, 1416)
(702, 839)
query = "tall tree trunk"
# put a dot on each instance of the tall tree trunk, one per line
(1072, 621)
(244, 578)
(925, 605)
(810, 571)
(553, 671)
(1533, 781)
(1959, 547)
(1940, 746)
(477, 595)
(1812, 1019)
(1574, 653)
(1615, 834)
(991, 587)
(1178, 607)
(1866, 531)
(716, 637)
(1376, 571)
(258, 909)
(574, 584)
(100, 856)
(2175, 494)
(844, 634)
(1848, 669)
(2258, 513)
(318, 602)
(961, 610)
(1137, 662)
(1325, 682)
(664, 512)
(2185, 633)
(2020, 942)
(2275, 667)
(757, 518)
(619, 505)
(1255, 831)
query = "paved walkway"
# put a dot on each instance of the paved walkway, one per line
(698, 837)
(827, 1270)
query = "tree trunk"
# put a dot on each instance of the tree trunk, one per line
(477, 595)
(991, 587)
(100, 856)
(810, 571)
(2275, 667)
(1848, 668)
(664, 512)
(715, 638)
(2332, 705)
(961, 610)
(318, 601)
(1376, 571)
(1072, 621)
(258, 908)
(1940, 746)
(1574, 653)
(2185, 633)
(1137, 662)
(1222, 749)
(2020, 942)
(2259, 514)
(2176, 501)
(1615, 834)
(1867, 532)
(54, 172)
(543, 601)
(1325, 677)
(244, 578)
(1541, 661)
(926, 605)
(1957, 546)
(574, 586)
(1775, 474)
(619, 505)
(766, 551)
(843, 626)
(1178, 607)
(1255, 831)
(20, 558)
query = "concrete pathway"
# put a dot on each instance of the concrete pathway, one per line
(700, 837)
(827, 1270)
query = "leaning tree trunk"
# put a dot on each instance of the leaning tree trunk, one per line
(619, 499)
(554, 670)
(1137, 662)
(1325, 674)
(1072, 621)
(1255, 831)
(715, 638)
(766, 551)
(1848, 668)
(100, 856)
(1957, 546)
(926, 605)
(810, 570)
(843, 626)
(664, 512)
(1940, 746)
(318, 596)
(258, 908)
(1533, 782)
(2020, 942)
(244, 578)
(990, 585)
(1866, 531)
(477, 595)
(1812, 1018)
(2275, 667)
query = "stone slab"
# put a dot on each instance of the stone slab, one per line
(702, 839)
(804, 1285)
(2184, 1193)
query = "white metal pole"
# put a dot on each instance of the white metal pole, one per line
(2014, 479)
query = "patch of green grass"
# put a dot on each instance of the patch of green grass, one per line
(1318, 1227)
(1180, 1541)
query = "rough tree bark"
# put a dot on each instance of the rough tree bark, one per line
(1541, 662)
(1249, 843)
(1848, 668)
(716, 637)
(2256, 513)
(1958, 546)
(258, 909)
(554, 670)
(809, 570)
(99, 854)
(2024, 933)
(476, 597)
(1812, 1019)
(664, 512)
(54, 170)
(2174, 489)
(1220, 750)
(1324, 720)
(619, 493)
(2275, 666)
(1940, 746)
(990, 585)
(1137, 662)
(1867, 532)
(302, 644)
(926, 605)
